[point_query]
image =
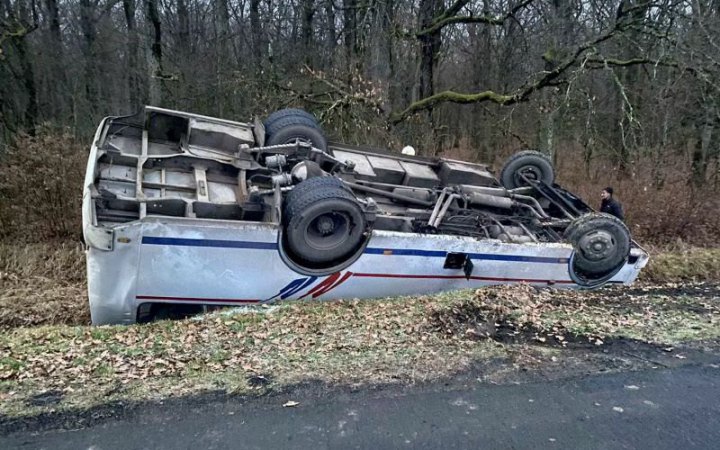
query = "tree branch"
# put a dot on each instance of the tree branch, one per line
(449, 17)
(522, 93)
(19, 32)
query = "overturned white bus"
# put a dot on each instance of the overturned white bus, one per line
(182, 211)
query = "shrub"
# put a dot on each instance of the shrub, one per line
(41, 181)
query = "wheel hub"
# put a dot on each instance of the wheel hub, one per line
(325, 225)
(597, 245)
(529, 172)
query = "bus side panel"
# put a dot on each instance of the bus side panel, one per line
(213, 264)
(112, 277)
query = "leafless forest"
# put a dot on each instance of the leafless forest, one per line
(618, 92)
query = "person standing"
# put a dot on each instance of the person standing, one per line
(609, 205)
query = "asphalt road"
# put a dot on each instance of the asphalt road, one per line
(671, 408)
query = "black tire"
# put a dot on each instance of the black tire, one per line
(309, 185)
(571, 228)
(293, 133)
(288, 112)
(324, 227)
(602, 245)
(277, 125)
(295, 205)
(531, 163)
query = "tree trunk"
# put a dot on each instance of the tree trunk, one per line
(258, 49)
(429, 48)
(703, 141)
(350, 30)
(222, 54)
(551, 113)
(155, 71)
(183, 28)
(57, 70)
(132, 63)
(380, 68)
(87, 26)
(308, 13)
(30, 118)
(331, 34)
(627, 95)
(20, 43)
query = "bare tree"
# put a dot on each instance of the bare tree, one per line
(615, 78)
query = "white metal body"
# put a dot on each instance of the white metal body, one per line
(225, 263)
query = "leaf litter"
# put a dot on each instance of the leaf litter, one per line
(392, 340)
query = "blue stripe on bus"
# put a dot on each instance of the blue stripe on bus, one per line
(481, 256)
(208, 243)
(151, 240)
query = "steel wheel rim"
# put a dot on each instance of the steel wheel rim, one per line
(327, 231)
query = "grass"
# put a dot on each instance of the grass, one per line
(392, 340)
(339, 341)
(682, 265)
(656, 319)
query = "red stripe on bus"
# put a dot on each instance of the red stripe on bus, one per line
(458, 277)
(197, 299)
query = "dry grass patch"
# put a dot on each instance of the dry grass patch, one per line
(683, 264)
(42, 284)
(395, 340)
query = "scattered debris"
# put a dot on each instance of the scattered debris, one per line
(256, 381)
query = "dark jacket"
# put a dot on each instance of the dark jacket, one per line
(612, 206)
